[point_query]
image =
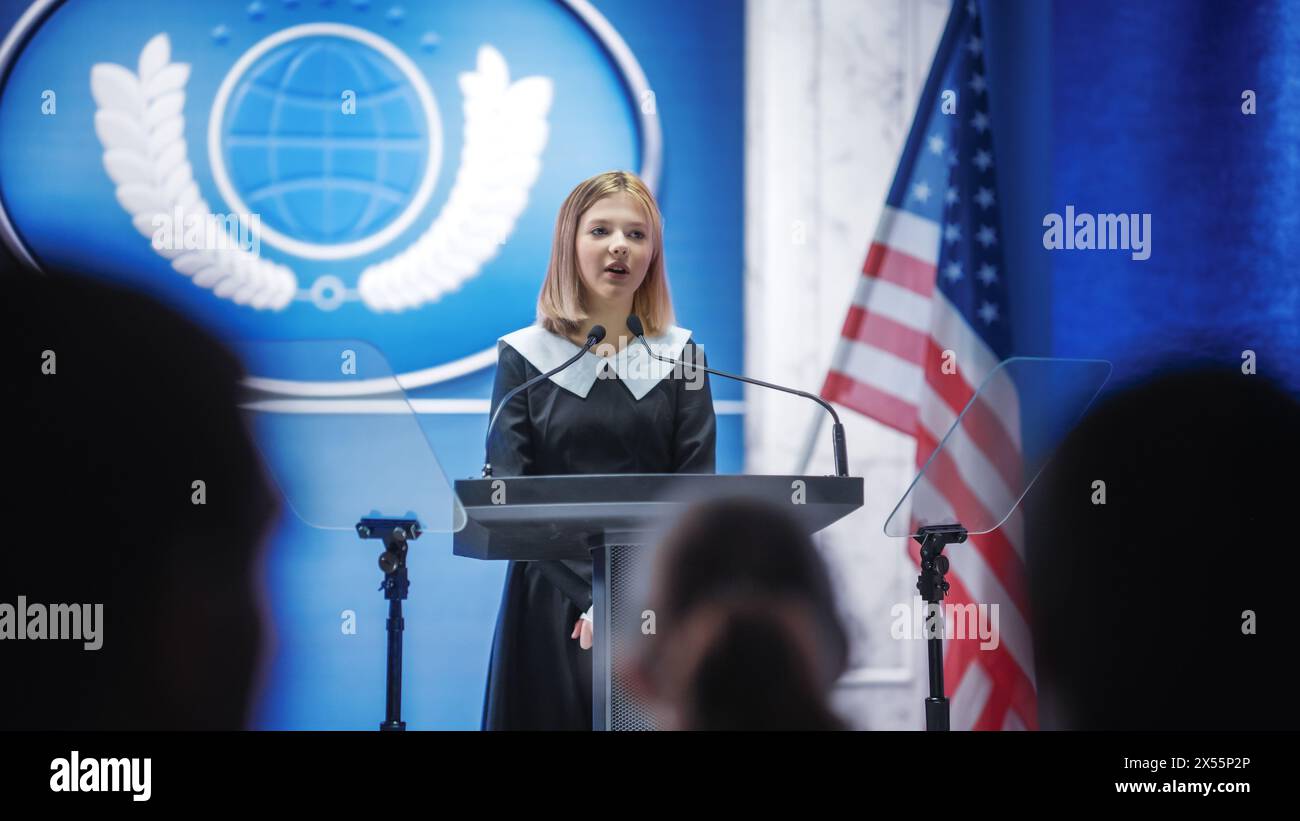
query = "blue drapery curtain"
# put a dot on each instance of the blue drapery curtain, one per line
(1147, 117)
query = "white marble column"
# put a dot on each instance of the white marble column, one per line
(831, 87)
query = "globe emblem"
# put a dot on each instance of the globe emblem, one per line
(330, 134)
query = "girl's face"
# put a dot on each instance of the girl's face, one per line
(613, 233)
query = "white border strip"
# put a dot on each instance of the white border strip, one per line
(722, 407)
(387, 384)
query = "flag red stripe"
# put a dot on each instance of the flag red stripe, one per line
(994, 712)
(997, 551)
(981, 424)
(900, 268)
(883, 407)
(884, 333)
(957, 654)
(1008, 675)
(1024, 701)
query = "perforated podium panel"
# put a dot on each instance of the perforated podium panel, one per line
(620, 606)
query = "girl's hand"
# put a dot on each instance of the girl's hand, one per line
(583, 633)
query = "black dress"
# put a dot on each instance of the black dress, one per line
(538, 677)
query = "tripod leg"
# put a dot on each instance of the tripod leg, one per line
(933, 587)
(936, 706)
(393, 706)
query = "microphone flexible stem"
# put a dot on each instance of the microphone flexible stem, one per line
(752, 381)
(841, 459)
(487, 465)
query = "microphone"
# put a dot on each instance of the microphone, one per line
(837, 430)
(595, 335)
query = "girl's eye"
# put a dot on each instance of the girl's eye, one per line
(598, 230)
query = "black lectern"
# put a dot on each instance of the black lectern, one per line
(612, 519)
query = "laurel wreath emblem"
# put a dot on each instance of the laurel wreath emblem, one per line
(139, 122)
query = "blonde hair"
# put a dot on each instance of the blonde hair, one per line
(562, 303)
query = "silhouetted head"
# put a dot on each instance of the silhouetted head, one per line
(747, 632)
(115, 408)
(1142, 603)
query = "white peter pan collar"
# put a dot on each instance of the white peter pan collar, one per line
(635, 367)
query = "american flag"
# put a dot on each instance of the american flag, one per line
(934, 282)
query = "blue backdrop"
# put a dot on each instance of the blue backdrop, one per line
(1121, 107)
(1139, 108)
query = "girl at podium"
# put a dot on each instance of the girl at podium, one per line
(609, 412)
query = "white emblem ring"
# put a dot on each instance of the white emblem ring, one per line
(309, 250)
